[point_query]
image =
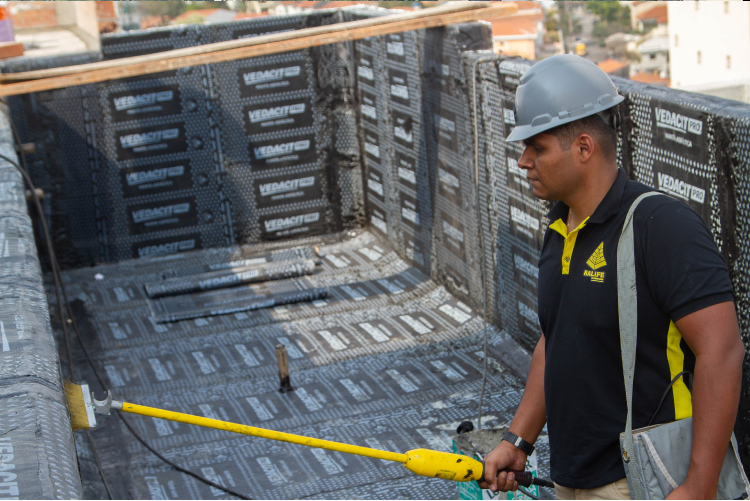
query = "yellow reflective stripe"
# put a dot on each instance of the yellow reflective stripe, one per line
(570, 241)
(683, 400)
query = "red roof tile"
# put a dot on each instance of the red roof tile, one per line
(658, 13)
(611, 65)
(650, 78)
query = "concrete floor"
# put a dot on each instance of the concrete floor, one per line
(363, 374)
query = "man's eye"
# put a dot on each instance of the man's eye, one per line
(538, 149)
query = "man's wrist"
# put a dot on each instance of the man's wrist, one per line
(517, 441)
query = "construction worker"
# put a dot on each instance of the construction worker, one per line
(565, 115)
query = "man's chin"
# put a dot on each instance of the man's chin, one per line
(540, 192)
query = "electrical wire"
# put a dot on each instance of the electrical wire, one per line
(477, 62)
(62, 296)
(99, 465)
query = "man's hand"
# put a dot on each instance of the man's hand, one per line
(686, 491)
(504, 456)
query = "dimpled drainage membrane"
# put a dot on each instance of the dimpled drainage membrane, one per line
(389, 360)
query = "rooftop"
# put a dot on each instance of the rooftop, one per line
(514, 26)
(650, 78)
(611, 65)
(658, 14)
(654, 44)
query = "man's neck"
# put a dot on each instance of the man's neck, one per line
(584, 201)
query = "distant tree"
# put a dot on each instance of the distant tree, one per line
(156, 8)
(396, 5)
(206, 5)
(610, 12)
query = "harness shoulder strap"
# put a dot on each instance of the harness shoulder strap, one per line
(627, 304)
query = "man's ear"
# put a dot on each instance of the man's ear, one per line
(584, 147)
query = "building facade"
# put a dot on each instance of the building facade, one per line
(720, 54)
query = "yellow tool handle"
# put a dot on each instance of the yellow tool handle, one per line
(262, 433)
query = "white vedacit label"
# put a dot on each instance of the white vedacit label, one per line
(272, 473)
(456, 314)
(275, 188)
(333, 341)
(525, 266)
(528, 313)
(133, 140)
(374, 332)
(680, 123)
(452, 232)
(369, 111)
(257, 77)
(379, 224)
(407, 174)
(307, 399)
(513, 167)
(681, 189)
(137, 101)
(448, 178)
(284, 223)
(263, 114)
(449, 372)
(365, 72)
(203, 363)
(259, 409)
(154, 175)
(154, 213)
(400, 380)
(400, 91)
(396, 48)
(247, 357)
(277, 150)
(375, 186)
(373, 149)
(401, 133)
(355, 391)
(520, 217)
(329, 465)
(418, 326)
(410, 215)
(338, 263)
(353, 293)
(160, 371)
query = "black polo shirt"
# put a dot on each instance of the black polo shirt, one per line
(678, 271)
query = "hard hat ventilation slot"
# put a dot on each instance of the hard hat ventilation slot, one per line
(541, 120)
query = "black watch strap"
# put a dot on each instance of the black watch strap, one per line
(519, 442)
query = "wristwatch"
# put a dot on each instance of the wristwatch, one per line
(519, 442)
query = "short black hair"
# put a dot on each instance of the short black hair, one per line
(605, 135)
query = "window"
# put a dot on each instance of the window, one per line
(699, 57)
(676, 40)
(729, 62)
(652, 56)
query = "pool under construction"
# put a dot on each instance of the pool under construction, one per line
(355, 202)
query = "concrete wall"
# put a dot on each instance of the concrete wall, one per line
(724, 31)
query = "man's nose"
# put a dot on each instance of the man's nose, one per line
(525, 161)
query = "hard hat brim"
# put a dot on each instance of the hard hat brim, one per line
(522, 132)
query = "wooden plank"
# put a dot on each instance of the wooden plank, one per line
(132, 70)
(247, 42)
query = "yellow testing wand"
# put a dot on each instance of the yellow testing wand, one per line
(425, 462)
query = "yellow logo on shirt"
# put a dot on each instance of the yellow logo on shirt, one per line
(595, 262)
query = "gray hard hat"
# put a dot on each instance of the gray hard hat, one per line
(559, 90)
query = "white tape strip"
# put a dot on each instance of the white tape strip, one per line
(658, 461)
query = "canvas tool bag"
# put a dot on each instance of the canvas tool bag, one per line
(656, 458)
